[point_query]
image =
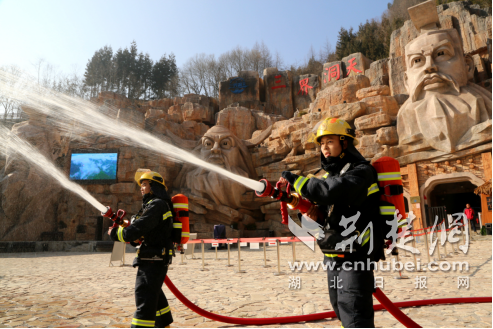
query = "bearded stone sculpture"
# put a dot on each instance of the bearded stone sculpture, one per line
(444, 111)
(221, 147)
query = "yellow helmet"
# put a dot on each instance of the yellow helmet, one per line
(333, 126)
(143, 174)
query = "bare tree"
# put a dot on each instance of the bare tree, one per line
(10, 106)
(202, 73)
(326, 53)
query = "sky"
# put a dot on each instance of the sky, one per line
(66, 33)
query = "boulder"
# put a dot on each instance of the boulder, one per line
(199, 99)
(195, 112)
(263, 120)
(387, 136)
(175, 113)
(385, 104)
(371, 121)
(345, 111)
(340, 92)
(179, 101)
(278, 92)
(164, 103)
(243, 89)
(131, 117)
(239, 120)
(305, 89)
(331, 73)
(368, 146)
(155, 114)
(198, 129)
(355, 64)
(378, 73)
(163, 125)
(397, 70)
(152, 115)
(373, 91)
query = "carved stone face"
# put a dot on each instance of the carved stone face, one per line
(435, 63)
(219, 147)
(444, 111)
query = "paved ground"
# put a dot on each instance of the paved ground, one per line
(80, 290)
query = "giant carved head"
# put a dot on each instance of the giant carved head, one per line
(435, 63)
(220, 147)
(445, 111)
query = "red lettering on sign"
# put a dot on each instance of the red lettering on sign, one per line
(304, 87)
(279, 76)
(333, 72)
(352, 66)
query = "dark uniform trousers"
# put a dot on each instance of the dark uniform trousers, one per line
(153, 310)
(350, 293)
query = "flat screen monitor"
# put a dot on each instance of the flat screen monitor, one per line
(93, 167)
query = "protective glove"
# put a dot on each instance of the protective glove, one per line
(290, 177)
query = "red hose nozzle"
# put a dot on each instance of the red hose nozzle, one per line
(117, 217)
(108, 213)
(267, 191)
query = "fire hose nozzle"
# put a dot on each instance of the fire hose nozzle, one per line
(117, 217)
(108, 213)
(267, 191)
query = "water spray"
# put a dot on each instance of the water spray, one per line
(67, 109)
(13, 144)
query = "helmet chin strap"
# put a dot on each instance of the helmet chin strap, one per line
(341, 140)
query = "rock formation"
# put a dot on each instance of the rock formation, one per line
(430, 100)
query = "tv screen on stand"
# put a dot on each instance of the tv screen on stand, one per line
(93, 167)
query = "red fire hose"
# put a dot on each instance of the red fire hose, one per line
(385, 303)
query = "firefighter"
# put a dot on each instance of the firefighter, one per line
(340, 195)
(151, 228)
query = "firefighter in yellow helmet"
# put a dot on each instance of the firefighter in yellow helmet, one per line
(348, 198)
(151, 228)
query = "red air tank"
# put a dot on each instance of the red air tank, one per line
(180, 208)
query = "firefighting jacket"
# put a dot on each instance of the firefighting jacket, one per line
(355, 192)
(154, 225)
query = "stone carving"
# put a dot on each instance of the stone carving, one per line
(444, 111)
(305, 89)
(221, 147)
(245, 89)
(473, 24)
(278, 91)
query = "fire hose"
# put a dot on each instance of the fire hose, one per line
(296, 202)
(385, 303)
